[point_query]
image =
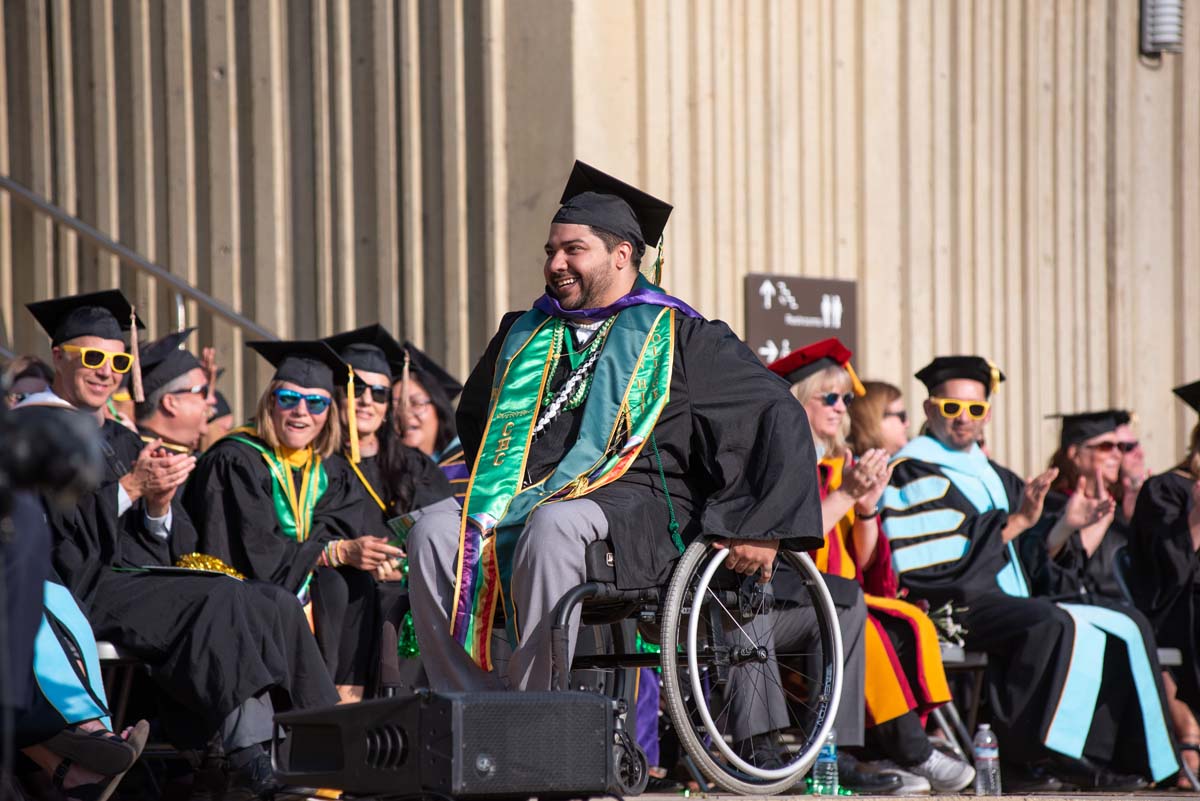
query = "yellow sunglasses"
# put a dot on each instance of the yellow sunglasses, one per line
(94, 358)
(953, 407)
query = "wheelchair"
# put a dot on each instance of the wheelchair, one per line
(715, 632)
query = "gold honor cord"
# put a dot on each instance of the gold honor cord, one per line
(368, 486)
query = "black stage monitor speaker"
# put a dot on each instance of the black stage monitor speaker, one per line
(465, 745)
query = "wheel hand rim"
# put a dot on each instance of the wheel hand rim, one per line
(769, 774)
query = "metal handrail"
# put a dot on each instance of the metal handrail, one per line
(130, 257)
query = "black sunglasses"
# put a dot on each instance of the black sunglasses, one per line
(1127, 447)
(831, 399)
(379, 392)
(901, 415)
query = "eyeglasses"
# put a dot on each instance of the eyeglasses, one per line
(289, 399)
(901, 415)
(199, 390)
(419, 406)
(379, 392)
(1106, 447)
(94, 358)
(831, 399)
(953, 407)
(1128, 447)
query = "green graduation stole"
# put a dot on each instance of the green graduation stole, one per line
(294, 510)
(630, 385)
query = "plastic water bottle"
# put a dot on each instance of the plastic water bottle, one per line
(987, 761)
(825, 772)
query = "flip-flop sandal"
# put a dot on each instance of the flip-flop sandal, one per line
(101, 751)
(96, 791)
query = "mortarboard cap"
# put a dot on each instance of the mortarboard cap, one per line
(222, 408)
(103, 314)
(371, 348)
(163, 361)
(1079, 428)
(594, 198)
(427, 370)
(803, 362)
(1189, 394)
(974, 368)
(308, 364)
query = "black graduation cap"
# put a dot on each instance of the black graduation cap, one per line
(594, 198)
(428, 371)
(975, 368)
(311, 364)
(222, 408)
(103, 314)
(163, 361)
(371, 348)
(1078, 428)
(1189, 394)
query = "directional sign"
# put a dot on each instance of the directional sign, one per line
(786, 312)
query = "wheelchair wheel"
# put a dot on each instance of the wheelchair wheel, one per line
(721, 664)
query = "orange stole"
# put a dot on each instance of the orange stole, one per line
(890, 690)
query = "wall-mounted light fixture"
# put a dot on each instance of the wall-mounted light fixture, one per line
(1162, 27)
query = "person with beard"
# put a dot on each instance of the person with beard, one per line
(222, 651)
(393, 481)
(610, 411)
(1058, 673)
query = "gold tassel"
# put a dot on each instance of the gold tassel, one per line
(135, 382)
(995, 377)
(855, 384)
(402, 410)
(352, 417)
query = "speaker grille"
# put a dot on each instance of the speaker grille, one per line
(521, 742)
(387, 747)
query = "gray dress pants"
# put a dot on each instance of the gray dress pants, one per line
(756, 699)
(549, 560)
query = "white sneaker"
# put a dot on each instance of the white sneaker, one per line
(910, 783)
(946, 774)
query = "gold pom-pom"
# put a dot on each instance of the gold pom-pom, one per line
(202, 561)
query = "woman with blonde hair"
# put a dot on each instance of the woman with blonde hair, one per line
(276, 501)
(898, 692)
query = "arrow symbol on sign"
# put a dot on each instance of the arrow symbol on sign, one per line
(767, 290)
(769, 352)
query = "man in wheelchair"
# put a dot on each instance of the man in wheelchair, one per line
(609, 411)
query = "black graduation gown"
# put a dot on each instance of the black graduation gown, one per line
(1043, 663)
(230, 500)
(210, 642)
(1073, 573)
(391, 597)
(1165, 575)
(24, 565)
(732, 440)
(429, 487)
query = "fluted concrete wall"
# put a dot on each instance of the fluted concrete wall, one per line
(1005, 177)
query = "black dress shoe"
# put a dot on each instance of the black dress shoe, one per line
(853, 777)
(765, 751)
(1087, 775)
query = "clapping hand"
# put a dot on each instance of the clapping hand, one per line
(208, 363)
(155, 476)
(1033, 497)
(864, 476)
(1090, 503)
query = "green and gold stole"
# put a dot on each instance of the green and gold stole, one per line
(293, 508)
(630, 385)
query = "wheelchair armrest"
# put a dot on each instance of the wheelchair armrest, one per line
(599, 562)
